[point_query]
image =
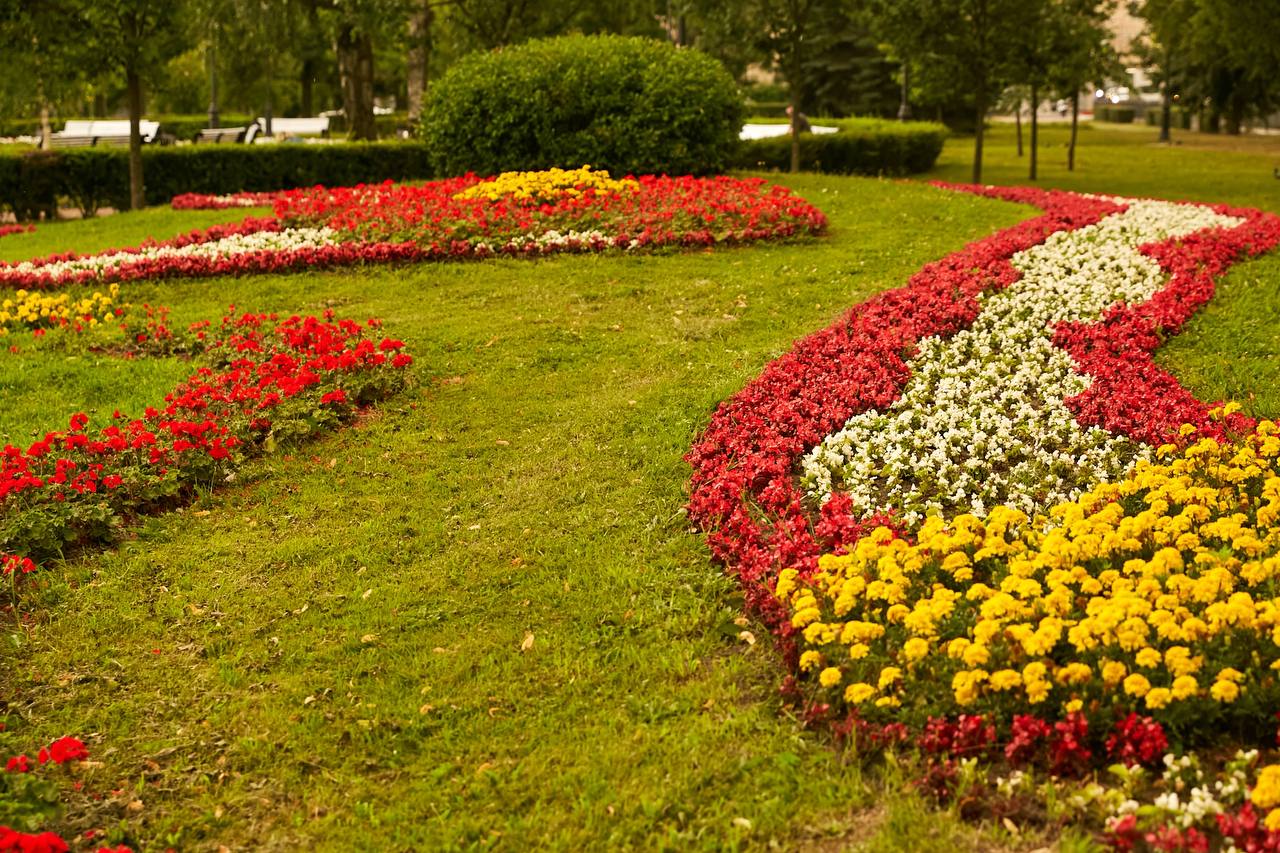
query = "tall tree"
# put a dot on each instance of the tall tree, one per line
(44, 47)
(138, 36)
(1086, 55)
(959, 44)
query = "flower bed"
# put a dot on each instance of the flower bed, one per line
(205, 201)
(262, 379)
(940, 489)
(523, 214)
(6, 230)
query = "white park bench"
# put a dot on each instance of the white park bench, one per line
(764, 131)
(81, 133)
(228, 134)
(317, 126)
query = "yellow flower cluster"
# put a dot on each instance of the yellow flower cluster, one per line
(1159, 593)
(1266, 795)
(548, 186)
(38, 310)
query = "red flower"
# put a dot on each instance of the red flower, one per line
(18, 764)
(63, 750)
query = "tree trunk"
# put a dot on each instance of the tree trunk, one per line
(1017, 120)
(981, 114)
(46, 128)
(1166, 114)
(133, 86)
(1035, 109)
(419, 58)
(795, 127)
(355, 64)
(1235, 116)
(1075, 129)
(307, 81)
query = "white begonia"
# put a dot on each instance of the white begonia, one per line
(983, 419)
(290, 239)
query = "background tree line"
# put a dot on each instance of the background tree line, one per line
(946, 59)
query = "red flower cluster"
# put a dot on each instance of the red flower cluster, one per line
(744, 494)
(6, 230)
(264, 378)
(1137, 740)
(205, 201)
(663, 211)
(13, 841)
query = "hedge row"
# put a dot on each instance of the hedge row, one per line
(1179, 119)
(861, 147)
(1115, 115)
(90, 178)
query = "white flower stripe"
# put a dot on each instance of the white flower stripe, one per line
(983, 420)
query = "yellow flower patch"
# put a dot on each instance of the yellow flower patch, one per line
(34, 309)
(548, 186)
(1157, 593)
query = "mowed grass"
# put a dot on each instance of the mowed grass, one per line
(480, 618)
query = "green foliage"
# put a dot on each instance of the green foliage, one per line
(96, 177)
(862, 147)
(28, 801)
(1179, 118)
(622, 104)
(1113, 113)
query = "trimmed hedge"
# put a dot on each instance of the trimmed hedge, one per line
(1179, 118)
(90, 178)
(1115, 115)
(623, 104)
(861, 147)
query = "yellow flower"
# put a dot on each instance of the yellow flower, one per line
(1273, 820)
(1157, 698)
(976, 655)
(1148, 658)
(829, 677)
(810, 660)
(856, 694)
(858, 651)
(915, 649)
(889, 676)
(1136, 685)
(1185, 686)
(1224, 691)
(1266, 791)
(1113, 672)
(1005, 679)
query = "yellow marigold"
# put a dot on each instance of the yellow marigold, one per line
(888, 702)
(1224, 691)
(976, 655)
(1148, 658)
(830, 677)
(856, 694)
(889, 676)
(1073, 707)
(1273, 820)
(1266, 791)
(1229, 674)
(1006, 679)
(1185, 686)
(1158, 697)
(858, 651)
(1136, 685)
(915, 649)
(810, 660)
(1113, 672)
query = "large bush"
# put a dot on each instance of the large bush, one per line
(860, 147)
(623, 104)
(90, 178)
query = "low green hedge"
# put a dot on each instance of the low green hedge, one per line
(861, 147)
(1178, 118)
(1113, 114)
(90, 178)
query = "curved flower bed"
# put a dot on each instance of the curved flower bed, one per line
(947, 446)
(522, 214)
(6, 230)
(263, 379)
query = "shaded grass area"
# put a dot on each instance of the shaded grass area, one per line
(333, 652)
(1128, 161)
(479, 618)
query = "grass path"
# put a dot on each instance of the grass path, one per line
(332, 653)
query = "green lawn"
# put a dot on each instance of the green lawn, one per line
(335, 652)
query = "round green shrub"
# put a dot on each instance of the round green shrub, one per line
(629, 105)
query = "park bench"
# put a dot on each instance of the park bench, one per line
(765, 131)
(316, 126)
(82, 133)
(217, 135)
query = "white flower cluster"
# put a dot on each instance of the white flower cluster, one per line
(1188, 800)
(238, 244)
(982, 420)
(556, 240)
